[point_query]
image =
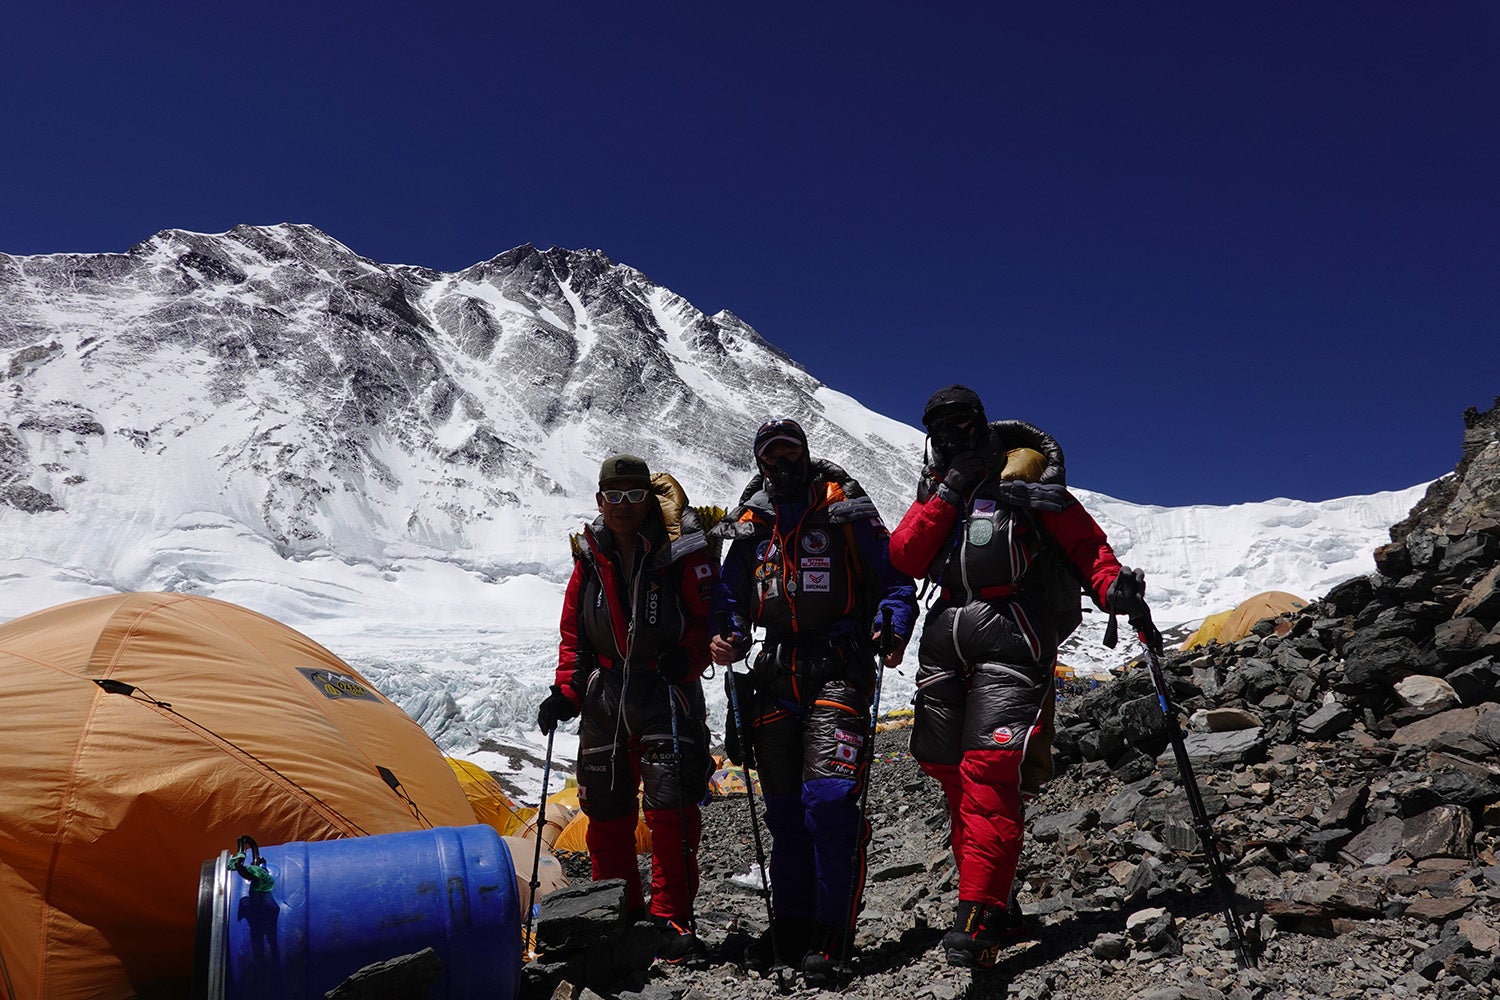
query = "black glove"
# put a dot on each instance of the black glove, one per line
(1127, 595)
(672, 666)
(737, 754)
(555, 708)
(964, 470)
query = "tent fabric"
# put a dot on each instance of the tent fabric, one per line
(550, 874)
(1209, 631)
(144, 733)
(1235, 624)
(490, 803)
(558, 816)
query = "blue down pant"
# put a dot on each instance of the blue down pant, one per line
(809, 739)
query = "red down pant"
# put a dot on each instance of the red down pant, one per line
(625, 741)
(985, 671)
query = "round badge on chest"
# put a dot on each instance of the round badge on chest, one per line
(981, 531)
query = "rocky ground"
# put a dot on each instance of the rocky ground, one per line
(1346, 753)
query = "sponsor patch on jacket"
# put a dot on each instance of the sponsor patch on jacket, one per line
(844, 736)
(815, 542)
(1003, 735)
(765, 550)
(817, 581)
(816, 562)
(983, 506)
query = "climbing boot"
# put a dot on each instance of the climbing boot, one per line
(974, 941)
(793, 936)
(823, 961)
(676, 942)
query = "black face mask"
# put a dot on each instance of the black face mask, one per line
(787, 479)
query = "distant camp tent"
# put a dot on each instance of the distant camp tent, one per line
(490, 803)
(141, 735)
(731, 779)
(1236, 623)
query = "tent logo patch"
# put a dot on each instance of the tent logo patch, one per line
(336, 686)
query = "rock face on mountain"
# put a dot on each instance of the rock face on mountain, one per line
(1347, 754)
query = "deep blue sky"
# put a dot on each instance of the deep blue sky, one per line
(1223, 252)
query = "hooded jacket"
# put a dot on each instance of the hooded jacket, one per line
(614, 615)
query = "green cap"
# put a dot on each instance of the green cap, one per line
(626, 467)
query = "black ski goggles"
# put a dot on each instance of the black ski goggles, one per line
(946, 423)
(623, 496)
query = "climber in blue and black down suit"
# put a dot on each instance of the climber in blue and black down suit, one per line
(809, 561)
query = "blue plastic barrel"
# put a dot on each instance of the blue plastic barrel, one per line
(339, 906)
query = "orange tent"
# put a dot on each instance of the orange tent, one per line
(141, 735)
(1233, 625)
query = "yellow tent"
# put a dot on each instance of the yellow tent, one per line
(490, 803)
(141, 735)
(1236, 623)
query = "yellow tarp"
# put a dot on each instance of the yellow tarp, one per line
(141, 735)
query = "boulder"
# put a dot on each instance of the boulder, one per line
(1477, 682)
(1427, 694)
(1330, 720)
(1447, 831)
(1426, 731)
(1483, 600)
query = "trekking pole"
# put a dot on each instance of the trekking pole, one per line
(733, 690)
(1151, 640)
(887, 643)
(536, 859)
(682, 824)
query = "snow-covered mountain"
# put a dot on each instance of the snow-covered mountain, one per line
(390, 458)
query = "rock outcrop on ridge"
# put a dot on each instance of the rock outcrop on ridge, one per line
(1347, 753)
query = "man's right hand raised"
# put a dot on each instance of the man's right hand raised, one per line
(965, 470)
